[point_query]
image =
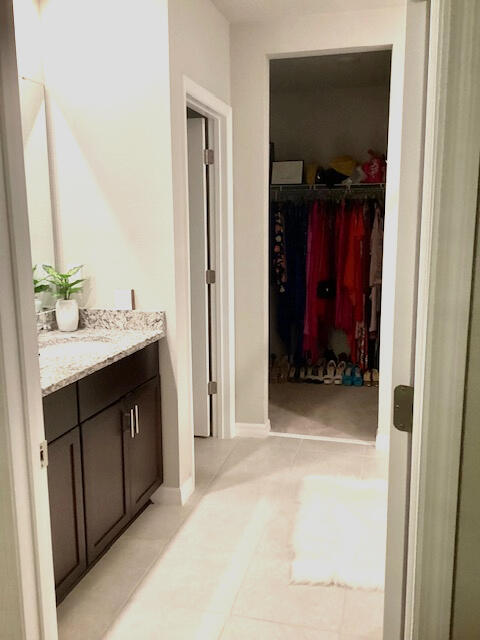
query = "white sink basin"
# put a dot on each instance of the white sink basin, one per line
(74, 348)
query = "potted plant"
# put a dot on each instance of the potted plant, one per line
(39, 286)
(66, 308)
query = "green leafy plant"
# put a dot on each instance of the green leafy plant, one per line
(64, 287)
(39, 284)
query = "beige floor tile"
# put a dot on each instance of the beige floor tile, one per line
(363, 614)
(266, 593)
(327, 464)
(156, 622)
(84, 615)
(203, 580)
(123, 566)
(158, 522)
(238, 628)
(95, 601)
(227, 555)
(375, 467)
(329, 448)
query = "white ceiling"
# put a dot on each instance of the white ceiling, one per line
(260, 10)
(366, 69)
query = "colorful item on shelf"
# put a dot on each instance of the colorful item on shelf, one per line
(344, 164)
(375, 168)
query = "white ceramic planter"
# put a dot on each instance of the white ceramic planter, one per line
(66, 312)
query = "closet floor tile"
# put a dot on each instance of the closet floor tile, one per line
(322, 410)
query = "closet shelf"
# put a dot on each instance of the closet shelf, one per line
(369, 186)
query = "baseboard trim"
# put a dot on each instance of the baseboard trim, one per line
(252, 429)
(174, 495)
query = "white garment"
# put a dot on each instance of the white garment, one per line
(376, 250)
(375, 297)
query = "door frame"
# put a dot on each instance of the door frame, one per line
(219, 116)
(449, 215)
(21, 401)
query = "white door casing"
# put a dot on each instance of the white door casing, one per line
(21, 412)
(399, 300)
(219, 116)
(197, 204)
(452, 151)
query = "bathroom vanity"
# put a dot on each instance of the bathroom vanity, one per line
(103, 427)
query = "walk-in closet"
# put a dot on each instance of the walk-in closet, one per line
(328, 160)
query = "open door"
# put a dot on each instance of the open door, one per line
(399, 339)
(199, 275)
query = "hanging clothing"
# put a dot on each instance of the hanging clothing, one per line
(278, 251)
(296, 224)
(376, 250)
(319, 310)
(326, 274)
(289, 247)
(375, 272)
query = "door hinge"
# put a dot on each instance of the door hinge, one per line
(212, 388)
(403, 408)
(44, 454)
(208, 156)
(210, 276)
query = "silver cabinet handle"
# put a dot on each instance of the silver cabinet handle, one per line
(137, 422)
(132, 427)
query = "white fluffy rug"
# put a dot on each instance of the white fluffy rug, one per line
(340, 533)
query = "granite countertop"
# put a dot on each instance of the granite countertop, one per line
(103, 338)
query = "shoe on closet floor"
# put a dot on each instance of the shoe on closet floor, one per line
(375, 377)
(338, 379)
(357, 378)
(329, 376)
(317, 374)
(293, 373)
(347, 379)
(367, 378)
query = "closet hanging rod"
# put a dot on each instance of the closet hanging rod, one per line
(368, 186)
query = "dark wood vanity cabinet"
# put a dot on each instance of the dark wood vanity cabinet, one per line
(145, 451)
(66, 511)
(107, 483)
(102, 471)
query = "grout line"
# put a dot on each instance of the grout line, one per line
(292, 625)
(301, 436)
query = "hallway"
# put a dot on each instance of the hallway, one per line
(219, 568)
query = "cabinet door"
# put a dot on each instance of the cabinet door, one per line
(66, 511)
(105, 463)
(146, 446)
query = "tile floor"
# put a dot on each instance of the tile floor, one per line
(218, 568)
(324, 410)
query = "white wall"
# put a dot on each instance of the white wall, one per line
(321, 124)
(252, 45)
(107, 84)
(200, 50)
(114, 77)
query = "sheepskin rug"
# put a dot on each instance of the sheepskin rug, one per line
(340, 533)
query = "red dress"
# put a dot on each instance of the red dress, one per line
(319, 312)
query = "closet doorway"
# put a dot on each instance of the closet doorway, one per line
(328, 152)
(202, 272)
